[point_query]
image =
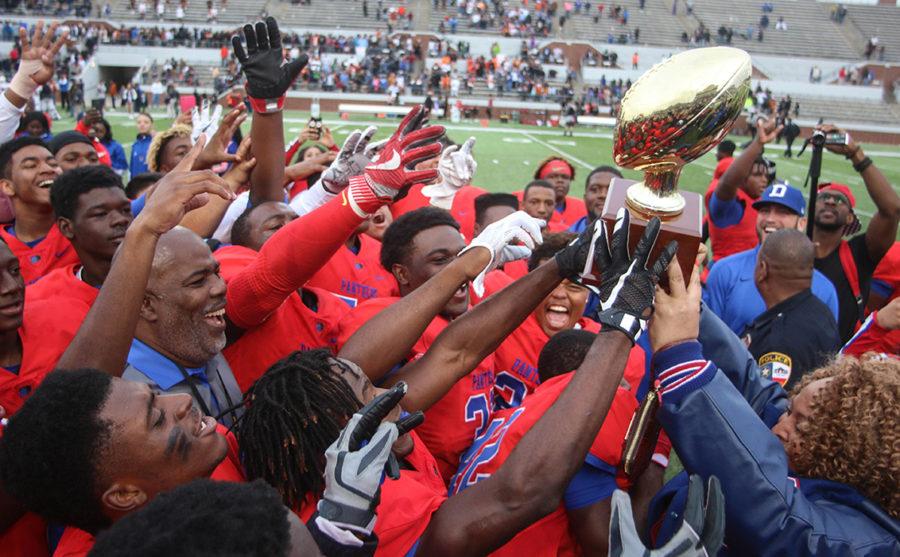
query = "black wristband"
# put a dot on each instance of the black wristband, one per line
(863, 164)
(623, 321)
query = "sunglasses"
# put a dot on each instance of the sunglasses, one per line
(835, 198)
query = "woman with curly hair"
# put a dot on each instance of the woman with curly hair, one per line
(815, 472)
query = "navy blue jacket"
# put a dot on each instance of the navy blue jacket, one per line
(719, 421)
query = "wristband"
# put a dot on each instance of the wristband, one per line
(22, 83)
(863, 164)
(267, 106)
(618, 319)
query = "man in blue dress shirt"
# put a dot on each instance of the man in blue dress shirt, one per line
(730, 291)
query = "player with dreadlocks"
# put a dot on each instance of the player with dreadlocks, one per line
(414, 509)
(321, 403)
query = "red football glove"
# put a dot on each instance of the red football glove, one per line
(391, 172)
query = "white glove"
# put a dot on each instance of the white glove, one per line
(456, 169)
(351, 161)
(497, 236)
(204, 122)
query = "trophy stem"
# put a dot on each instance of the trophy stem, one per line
(657, 195)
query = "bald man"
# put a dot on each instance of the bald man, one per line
(178, 342)
(797, 333)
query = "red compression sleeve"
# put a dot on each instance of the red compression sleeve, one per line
(287, 260)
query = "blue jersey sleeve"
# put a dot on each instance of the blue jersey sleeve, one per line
(725, 213)
(881, 288)
(590, 485)
(138, 205)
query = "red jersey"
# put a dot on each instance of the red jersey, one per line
(45, 334)
(462, 209)
(64, 284)
(356, 277)
(451, 423)
(549, 536)
(888, 271)
(516, 361)
(406, 504)
(294, 325)
(78, 543)
(736, 238)
(562, 219)
(27, 537)
(52, 252)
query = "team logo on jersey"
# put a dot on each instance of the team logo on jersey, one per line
(775, 366)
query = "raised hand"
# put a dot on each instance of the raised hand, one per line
(575, 261)
(676, 312)
(700, 534)
(766, 130)
(268, 75)
(498, 238)
(239, 173)
(304, 169)
(350, 161)
(36, 64)
(216, 150)
(204, 122)
(354, 471)
(456, 169)
(179, 192)
(847, 150)
(391, 172)
(627, 286)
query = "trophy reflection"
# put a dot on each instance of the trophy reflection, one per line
(674, 113)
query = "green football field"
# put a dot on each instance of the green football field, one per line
(508, 153)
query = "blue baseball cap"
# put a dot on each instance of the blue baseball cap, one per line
(785, 195)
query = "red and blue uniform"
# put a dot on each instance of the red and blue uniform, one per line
(451, 423)
(37, 259)
(293, 326)
(549, 536)
(406, 504)
(516, 361)
(356, 276)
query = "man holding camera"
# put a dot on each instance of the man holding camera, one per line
(849, 264)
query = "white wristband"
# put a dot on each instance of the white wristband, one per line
(22, 83)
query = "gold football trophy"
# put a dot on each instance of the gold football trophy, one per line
(677, 111)
(674, 113)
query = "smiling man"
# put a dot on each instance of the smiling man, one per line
(516, 359)
(92, 212)
(27, 169)
(181, 331)
(596, 186)
(730, 291)
(416, 247)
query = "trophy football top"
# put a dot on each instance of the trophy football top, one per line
(681, 108)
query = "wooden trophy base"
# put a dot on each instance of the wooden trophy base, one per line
(686, 228)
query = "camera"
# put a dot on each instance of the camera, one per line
(830, 138)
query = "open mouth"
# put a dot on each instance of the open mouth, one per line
(206, 426)
(45, 184)
(557, 316)
(216, 319)
(461, 292)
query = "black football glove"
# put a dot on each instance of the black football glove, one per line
(573, 259)
(627, 285)
(268, 76)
